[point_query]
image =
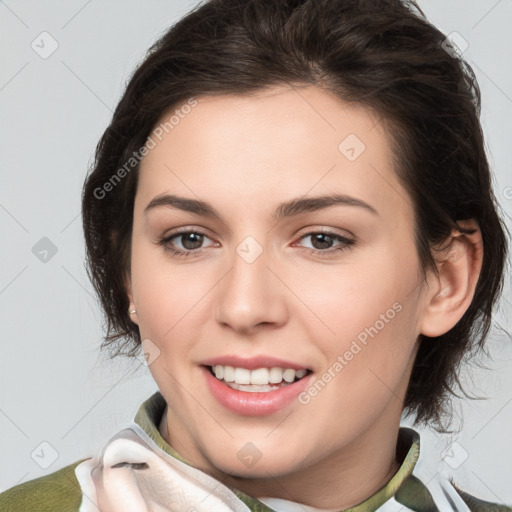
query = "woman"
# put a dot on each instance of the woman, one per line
(291, 214)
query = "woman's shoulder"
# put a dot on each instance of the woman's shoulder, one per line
(57, 492)
(478, 505)
(442, 494)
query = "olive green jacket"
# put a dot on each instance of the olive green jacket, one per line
(64, 490)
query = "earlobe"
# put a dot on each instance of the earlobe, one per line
(132, 311)
(453, 289)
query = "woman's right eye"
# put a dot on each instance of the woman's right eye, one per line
(190, 242)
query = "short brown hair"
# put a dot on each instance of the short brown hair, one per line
(382, 54)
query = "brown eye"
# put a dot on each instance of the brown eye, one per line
(324, 242)
(321, 240)
(191, 240)
(184, 243)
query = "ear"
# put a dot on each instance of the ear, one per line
(129, 292)
(450, 292)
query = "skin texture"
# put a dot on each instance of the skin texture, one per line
(245, 155)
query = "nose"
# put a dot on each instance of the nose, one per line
(251, 296)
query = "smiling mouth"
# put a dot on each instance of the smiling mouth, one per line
(259, 380)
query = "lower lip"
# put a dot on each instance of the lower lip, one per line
(254, 404)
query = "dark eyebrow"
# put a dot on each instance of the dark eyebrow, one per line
(311, 204)
(286, 209)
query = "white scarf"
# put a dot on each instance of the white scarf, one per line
(156, 483)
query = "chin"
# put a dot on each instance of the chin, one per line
(249, 462)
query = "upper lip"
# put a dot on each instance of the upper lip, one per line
(252, 363)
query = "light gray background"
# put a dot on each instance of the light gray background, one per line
(55, 386)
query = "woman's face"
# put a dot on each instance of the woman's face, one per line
(271, 276)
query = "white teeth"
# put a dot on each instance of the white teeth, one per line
(289, 375)
(300, 373)
(229, 373)
(219, 371)
(259, 376)
(275, 375)
(247, 380)
(242, 376)
(254, 388)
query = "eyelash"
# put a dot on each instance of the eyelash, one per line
(347, 243)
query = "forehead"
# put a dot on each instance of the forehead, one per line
(270, 144)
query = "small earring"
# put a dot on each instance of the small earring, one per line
(132, 311)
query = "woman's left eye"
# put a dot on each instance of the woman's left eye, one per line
(191, 242)
(322, 242)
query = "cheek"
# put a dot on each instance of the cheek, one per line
(352, 297)
(165, 294)
(364, 373)
(367, 313)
